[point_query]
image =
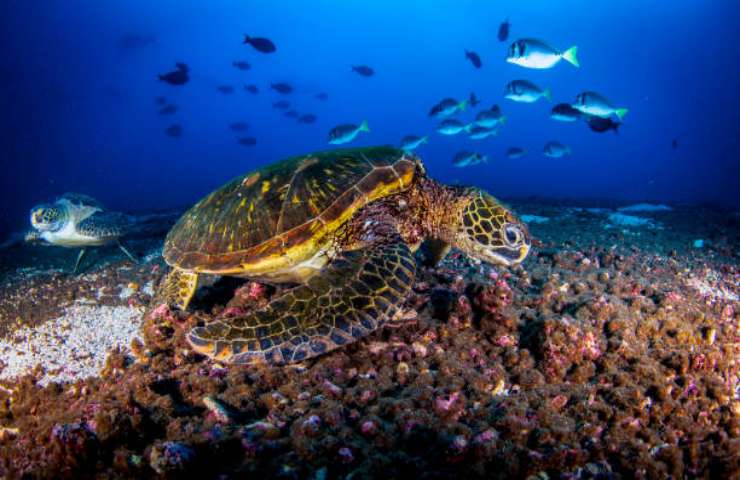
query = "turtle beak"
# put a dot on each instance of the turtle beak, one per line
(35, 217)
(508, 256)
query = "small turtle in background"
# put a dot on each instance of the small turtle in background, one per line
(343, 224)
(77, 221)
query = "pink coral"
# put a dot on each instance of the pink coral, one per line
(345, 455)
(444, 404)
(162, 311)
(368, 427)
(506, 341)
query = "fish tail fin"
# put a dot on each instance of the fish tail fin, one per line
(462, 105)
(621, 112)
(570, 56)
(425, 139)
(547, 94)
(364, 127)
(246, 38)
(503, 119)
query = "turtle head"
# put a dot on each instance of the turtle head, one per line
(47, 217)
(490, 232)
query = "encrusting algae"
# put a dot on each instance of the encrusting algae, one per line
(586, 362)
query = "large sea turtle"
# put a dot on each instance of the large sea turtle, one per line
(75, 220)
(342, 224)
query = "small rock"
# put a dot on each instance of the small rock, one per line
(170, 457)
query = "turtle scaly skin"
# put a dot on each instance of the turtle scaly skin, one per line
(343, 225)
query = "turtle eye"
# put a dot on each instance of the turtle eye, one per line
(513, 235)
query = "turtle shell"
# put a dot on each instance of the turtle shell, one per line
(276, 217)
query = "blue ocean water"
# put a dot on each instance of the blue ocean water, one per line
(78, 82)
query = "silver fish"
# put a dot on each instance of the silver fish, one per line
(479, 133)
(452, 127)
(467, 159)
(412, 142)
(447, 107)
(555, 149)
(524, 91)
(594, 103)
(490, 118)
(533, 53)
(346, 133)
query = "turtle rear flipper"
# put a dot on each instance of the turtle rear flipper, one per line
(354, 295)
(126, 252)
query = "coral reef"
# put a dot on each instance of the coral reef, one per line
(606, 355)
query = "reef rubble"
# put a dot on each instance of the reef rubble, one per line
(607, 354)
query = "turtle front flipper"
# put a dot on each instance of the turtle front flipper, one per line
(354, 295)
(79, 260)
(178, 288)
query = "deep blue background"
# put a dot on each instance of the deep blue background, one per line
(78, 110)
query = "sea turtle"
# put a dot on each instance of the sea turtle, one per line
(343, 224)
(76, 220)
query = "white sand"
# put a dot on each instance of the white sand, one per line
(70, 347)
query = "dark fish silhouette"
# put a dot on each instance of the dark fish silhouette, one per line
(473, 101)
(260, 44)
(225, 89)
(447, 107)
(252, 89)
(281, 87)
(239, 126)
(474, 58)
(321, 96)
(241, 65)
(167, 110)
(177, 77)
(503, 31)
(363, 70)
(564, 112)
(291, 114)
(601, 124)
(555, 149)
(281, 105)
(160, 101)
(174, 131)
(515, 152)
(248, 141)
(131, 41)
(674, 143)
(307, 118)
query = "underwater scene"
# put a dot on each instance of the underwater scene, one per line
(370, 239)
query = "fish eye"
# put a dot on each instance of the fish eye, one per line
(512, 234)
